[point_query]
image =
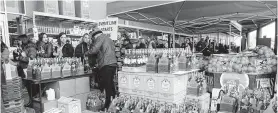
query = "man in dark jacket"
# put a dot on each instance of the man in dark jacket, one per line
(104, 47)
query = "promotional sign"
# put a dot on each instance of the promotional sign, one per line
(109, 27)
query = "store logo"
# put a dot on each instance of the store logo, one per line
(150, 83)
(136, 82)
(165, 85)
(123, 80)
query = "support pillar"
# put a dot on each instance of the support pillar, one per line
(259, 34)
(276, 36)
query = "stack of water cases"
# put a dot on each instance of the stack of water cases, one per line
(12, 96)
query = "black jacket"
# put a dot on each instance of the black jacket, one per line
(104, 47)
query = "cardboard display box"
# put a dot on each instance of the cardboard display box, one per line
(64, 88)
(46, 104)
(69, 105)
(83, 99)
(82, 85)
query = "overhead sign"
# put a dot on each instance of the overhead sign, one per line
(236, 25)
(109, 27)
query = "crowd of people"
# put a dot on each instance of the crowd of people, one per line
(97, 47)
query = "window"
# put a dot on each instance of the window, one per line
(269, 32)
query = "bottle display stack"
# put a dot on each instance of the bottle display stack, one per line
(12, 96)
(47, 68)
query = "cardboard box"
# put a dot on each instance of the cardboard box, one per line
(66, 7)
(171, 83)
(151, 86)
(48, 6)
(82, 85)
(137, 84)
(124, 82)
(69, 105)
(46, 104)
(82, 9)
(64, 88)
(172, 98)
(83, 99)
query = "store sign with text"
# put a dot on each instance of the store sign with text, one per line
(109, 27)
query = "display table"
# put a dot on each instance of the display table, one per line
(40, 82)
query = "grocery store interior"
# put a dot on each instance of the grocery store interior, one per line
(170, 56)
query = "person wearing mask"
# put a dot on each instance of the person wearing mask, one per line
(21, 58)
(44, 47)
(65, 48)
(104, 47)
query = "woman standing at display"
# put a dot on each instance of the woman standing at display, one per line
(44, 47)
(64, 49)
(82, 47)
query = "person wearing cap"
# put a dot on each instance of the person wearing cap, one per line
(104, 47)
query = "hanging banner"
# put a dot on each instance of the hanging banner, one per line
(109, 27)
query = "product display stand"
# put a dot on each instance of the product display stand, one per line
(40, 82)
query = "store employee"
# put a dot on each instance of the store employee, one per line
(104, 47)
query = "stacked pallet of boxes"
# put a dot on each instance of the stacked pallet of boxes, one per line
(12, 96)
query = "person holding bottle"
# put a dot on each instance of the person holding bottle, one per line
(65, 48)
(44, 47)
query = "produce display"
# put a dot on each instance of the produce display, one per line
(200, 61)
(46, 68)
(129, 104)
(261, 60)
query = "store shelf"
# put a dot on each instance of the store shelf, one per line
(41, 15)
